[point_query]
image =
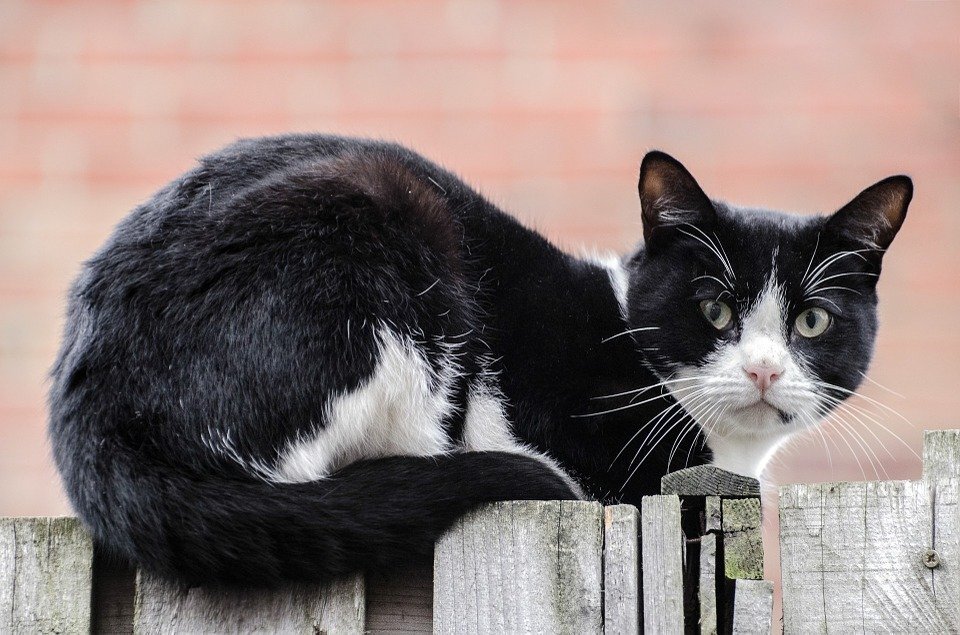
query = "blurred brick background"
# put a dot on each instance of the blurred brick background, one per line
(546, 106)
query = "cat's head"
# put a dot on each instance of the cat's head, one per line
(758, 322)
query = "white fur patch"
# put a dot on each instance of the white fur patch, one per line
(399, 410)
(486, 429)
(617, 274)
(742, 430)
(762, 338)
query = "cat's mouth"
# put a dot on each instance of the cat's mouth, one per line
(784, 416)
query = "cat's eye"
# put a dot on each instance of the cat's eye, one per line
(717, 313)
(812, 322)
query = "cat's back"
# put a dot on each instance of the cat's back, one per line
(262, 283)
(262, 210)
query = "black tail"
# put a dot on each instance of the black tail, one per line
(372, 514)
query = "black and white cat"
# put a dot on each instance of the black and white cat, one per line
(311, 354)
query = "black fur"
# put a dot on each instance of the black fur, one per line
(239, 300)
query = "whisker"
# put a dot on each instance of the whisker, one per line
(847, 404)
(829, 260)
(629, 331)
(645, 389)
(868, 452)
(847, 391)
(716, 249)
(619, 408)
(879, 385)
(810, 263)
(820, 297)
(830, 423)
(643, 427)
(834, 288)
(653, 433)
(856, 417)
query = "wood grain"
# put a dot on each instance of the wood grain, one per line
(941, 454)
(622, 604)
(163, 607)
(742, 542)
(707, 480)
(46, 576)
(708, 584)
(752, 607)
(852, 557)
(662, 555)
(522, 567)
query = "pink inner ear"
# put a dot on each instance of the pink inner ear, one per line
(877, 213)
(654, 184)
(893, 205)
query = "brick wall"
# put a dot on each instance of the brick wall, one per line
(546, 106)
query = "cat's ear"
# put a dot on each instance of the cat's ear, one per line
(874, 217)
(669, 198)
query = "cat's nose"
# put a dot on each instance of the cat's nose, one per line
(763, 375)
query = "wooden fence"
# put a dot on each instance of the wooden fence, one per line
(856, 556)
(875, 556)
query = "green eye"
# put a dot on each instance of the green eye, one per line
(812, 322)
(717, 313)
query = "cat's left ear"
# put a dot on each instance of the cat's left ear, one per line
(875, 216)
(669, 198)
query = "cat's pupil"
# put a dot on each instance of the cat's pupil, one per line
(811, 319)
(715, 311)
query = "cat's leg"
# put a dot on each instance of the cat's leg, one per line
(487, 429)
(399, 410)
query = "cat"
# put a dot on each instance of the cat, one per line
(310, 354)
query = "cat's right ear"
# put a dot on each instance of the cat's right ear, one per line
(669, 198)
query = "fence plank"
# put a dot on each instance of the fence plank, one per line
(852, 557)
(945, 578)
(528, 566)
(707, 480)
(162, 607)
(752, 607)
(662, 554)
(622, 608)
(46, 567)
(708, 584)
(742, 541)
(941, 454)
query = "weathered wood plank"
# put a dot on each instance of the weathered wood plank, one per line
(941, 454)
(707, 480)
(945, 542)
(708, 584)
(400, 601)
(528, 566)
(712, 514)
(46, 577)
(162, 607)
(742, 541)
(852, 558)
(662, 553)
(752, 607)
(709, 549)
(622, 607)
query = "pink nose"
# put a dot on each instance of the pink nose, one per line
(763, 375)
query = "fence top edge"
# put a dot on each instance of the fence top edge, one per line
(708, 480)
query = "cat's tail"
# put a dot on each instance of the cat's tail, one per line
(374, 513)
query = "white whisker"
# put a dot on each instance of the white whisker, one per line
(629, 331)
